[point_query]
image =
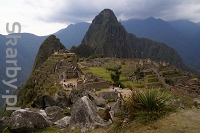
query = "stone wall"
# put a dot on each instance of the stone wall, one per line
(191, 90)
(93, 85)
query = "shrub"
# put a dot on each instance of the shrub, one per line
(149, 104)
(118, 83)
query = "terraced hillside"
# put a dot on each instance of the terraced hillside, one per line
(45, 79)
(140, 73)
(137, 74)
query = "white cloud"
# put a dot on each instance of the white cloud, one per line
(48, 16)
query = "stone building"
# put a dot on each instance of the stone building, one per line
(91, 82)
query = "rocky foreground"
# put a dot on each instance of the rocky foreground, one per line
(83, 113)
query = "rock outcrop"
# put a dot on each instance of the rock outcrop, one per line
(116, 107)
(98, 101)
(4, 122)
(54, 113)
(2, 126)
(75, 95)
(62, 123)
(61, 99)
(84, 115)
(26, 121)
(44, 101)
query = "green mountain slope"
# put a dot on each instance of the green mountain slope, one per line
(42, 76)
(46, 49)
(107, 36)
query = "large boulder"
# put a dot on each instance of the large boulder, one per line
(84, 115)
(44, 101)
(110, 96)
(62, 123)
(75, 95)
(98, 101)
(4, 122)
(26, 121)
(116, 107)
(54, 113)
(2, 126)
(62, 99)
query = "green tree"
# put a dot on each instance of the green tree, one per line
(115, 75)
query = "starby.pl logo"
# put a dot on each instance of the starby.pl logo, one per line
(11, 61)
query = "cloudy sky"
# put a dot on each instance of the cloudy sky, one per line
(43, 17)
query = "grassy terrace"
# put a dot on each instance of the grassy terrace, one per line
(101, 72)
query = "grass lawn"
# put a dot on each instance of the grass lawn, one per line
(98, 71)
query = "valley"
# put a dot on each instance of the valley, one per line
(62, 73)
(112, 81)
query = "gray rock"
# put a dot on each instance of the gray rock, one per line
(62, 99)
(24, 121)
(62, 123)
(75, 95)
(110, 96)
(116, 107)
(98, 101)
(84, 115)
(54, 113)
(4, 122)
(197, 99)
(44, 101)
(2, 126)
(179, 103)
(112, 115)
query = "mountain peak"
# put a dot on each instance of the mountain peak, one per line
(107, 12)
(107, 36)
(105, 15)
(46, 49)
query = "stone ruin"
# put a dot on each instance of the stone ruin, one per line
(97, 62)
(148, 63)
(71, 72)
(91, 82)
(190, 88)
(61, 51)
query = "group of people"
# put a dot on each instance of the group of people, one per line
(69, 85)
